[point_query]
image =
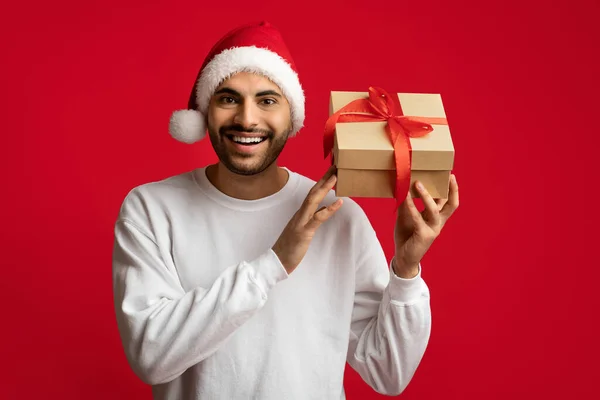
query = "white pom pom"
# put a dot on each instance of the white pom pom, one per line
(187, 126)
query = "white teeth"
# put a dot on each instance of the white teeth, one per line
(247, 140)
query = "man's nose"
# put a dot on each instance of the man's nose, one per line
(247, 115)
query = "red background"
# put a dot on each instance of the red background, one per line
(87, 90)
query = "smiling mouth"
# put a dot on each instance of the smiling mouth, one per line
(246, 141)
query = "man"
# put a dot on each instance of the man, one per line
(245, 280)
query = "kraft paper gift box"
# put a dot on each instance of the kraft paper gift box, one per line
(364, 155)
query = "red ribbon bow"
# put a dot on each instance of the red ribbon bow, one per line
(380, 106)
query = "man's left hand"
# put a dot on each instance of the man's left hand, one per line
(415, 231)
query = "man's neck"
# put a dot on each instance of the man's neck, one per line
(247, 187)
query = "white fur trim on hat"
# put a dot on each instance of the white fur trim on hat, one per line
(187, 126)
(256, 60)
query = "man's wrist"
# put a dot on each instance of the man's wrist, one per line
(405, 271)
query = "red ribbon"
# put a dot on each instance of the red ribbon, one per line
(380, 106)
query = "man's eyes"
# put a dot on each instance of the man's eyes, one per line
(269, 101)
(231, 100)
(227, 100)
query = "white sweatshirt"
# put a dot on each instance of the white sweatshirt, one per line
(206, 311)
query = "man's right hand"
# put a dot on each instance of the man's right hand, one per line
(292, 245)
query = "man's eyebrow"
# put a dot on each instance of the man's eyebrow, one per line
(268, 93)
(229, 91)
(259, 94)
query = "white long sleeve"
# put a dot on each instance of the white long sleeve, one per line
(165, 330)
(391, 325)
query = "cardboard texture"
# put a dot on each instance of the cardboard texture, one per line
(364, 155)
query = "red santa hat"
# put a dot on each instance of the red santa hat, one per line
(257, 48)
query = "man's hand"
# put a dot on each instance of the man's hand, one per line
(292, 245)
(415, 231)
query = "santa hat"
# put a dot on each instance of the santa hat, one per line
(257, 48)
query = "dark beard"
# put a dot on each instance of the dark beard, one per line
(276, 144)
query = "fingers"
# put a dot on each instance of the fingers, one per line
(328, 173)
(317, 194)
(323, 215)
(412, 209)
(452, 203)
(431, 214)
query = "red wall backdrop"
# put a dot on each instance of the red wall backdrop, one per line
(87, 90)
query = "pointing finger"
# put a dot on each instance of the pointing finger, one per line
(315, 197)
(330, 171)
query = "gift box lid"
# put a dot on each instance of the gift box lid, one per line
(366, 145)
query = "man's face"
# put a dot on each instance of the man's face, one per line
(248, 123)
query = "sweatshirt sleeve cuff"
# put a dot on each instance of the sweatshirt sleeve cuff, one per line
(268, 271)
(407, 291)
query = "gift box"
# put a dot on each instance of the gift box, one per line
(365, 156)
